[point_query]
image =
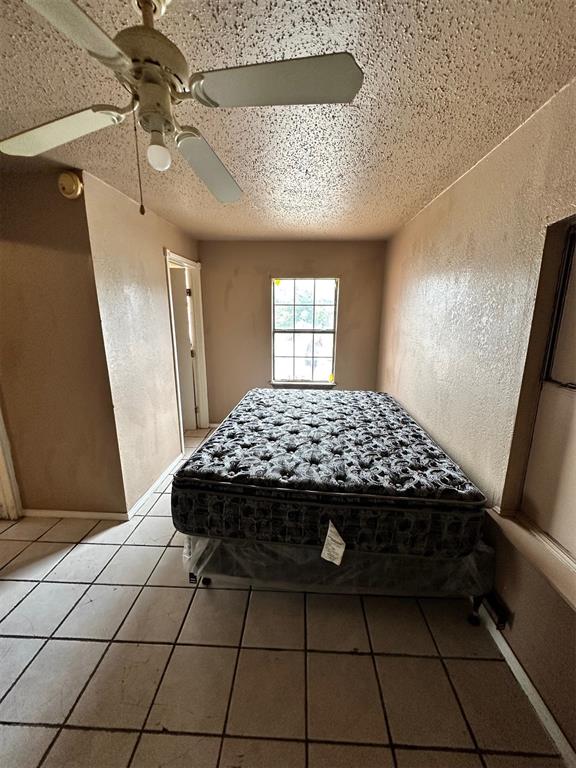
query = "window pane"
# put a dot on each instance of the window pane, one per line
(303, 317)
(284, 317)
(322, 369)
(284, 344)
(325, 291)
(304, 293)
(323, 344)
(283, 369)
(303, 368)
(324, 318)
(283, 291)
(303, 344)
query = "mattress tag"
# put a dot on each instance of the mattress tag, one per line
(334, 545)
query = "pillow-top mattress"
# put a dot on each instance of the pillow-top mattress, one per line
(286, 462)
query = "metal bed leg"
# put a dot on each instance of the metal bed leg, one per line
(474, 615)
(192, 579)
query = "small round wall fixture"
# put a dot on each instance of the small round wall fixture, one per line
(70, 185)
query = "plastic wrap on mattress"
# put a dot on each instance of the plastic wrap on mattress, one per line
(302, 567)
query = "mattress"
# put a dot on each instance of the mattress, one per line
(286, 462)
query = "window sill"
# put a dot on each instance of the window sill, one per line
(303, 384)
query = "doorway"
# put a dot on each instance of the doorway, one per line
(185, 295)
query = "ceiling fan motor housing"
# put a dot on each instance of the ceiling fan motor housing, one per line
(148, 48)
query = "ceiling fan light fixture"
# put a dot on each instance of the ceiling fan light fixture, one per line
(158, 153)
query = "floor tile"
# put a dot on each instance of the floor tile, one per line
(112, 531)
(195, 690)
(275, 620)
(249, 753)
(268, 695)
(345, 756)
(170, 571)
(83, 563)
(155, 531)
(509, 761)
(48, 688)
(34, 562)
(99, 613)
(146, 505)
(84, 749)
(11, 592)
(23, 747)
(40, 613)
(215, 618)
(397, 626)
(424, 759)
(163, 506)
(344, 700)
(9, 550)
(452, 632)
(15, 653)
(157, 615)
(164, 485)
(120, 692)
(421, 706)
(336, 623)
(178, 539)
(29, 528)
(5, 524)
(69, 530)
(132, 565)
(497, 709)
(166, 751)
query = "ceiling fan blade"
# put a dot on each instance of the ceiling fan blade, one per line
(73, 22)
(331, 79)
(57, 132)
(208, 166)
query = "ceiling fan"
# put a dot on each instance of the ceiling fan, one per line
(156, 73)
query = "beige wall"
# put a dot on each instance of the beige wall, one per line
(459, 291)
(237, 321)
(55, 393)
(130, 272)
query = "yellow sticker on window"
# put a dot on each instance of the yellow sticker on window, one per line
(331, 378)
(277, 281)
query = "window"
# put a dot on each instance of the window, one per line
(304, 329)
(560, 363)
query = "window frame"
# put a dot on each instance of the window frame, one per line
(568, 265)
(334, 332)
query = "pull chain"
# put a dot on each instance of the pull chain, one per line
(142, 209)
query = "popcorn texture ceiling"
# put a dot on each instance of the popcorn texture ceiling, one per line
(444, 83)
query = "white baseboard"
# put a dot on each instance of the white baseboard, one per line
(74, 513)
(567, 753)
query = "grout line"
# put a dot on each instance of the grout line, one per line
(205, 734)
(549, 723)
(452, 686)
(233, 681)
(161, 679)
(379, 684)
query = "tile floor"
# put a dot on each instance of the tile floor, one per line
(109, 659)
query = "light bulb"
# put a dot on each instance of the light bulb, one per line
(158, 154)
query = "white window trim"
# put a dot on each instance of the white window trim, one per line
(303, 383)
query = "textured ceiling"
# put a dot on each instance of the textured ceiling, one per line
(444, 83)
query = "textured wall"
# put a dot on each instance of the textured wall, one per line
(53, 380)
(237, 314)
(130, 271)
(459, 292)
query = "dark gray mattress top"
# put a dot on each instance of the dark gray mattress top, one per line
(336, 442)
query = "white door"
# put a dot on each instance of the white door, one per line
(184, 347)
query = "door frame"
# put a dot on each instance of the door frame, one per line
(193, 273)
